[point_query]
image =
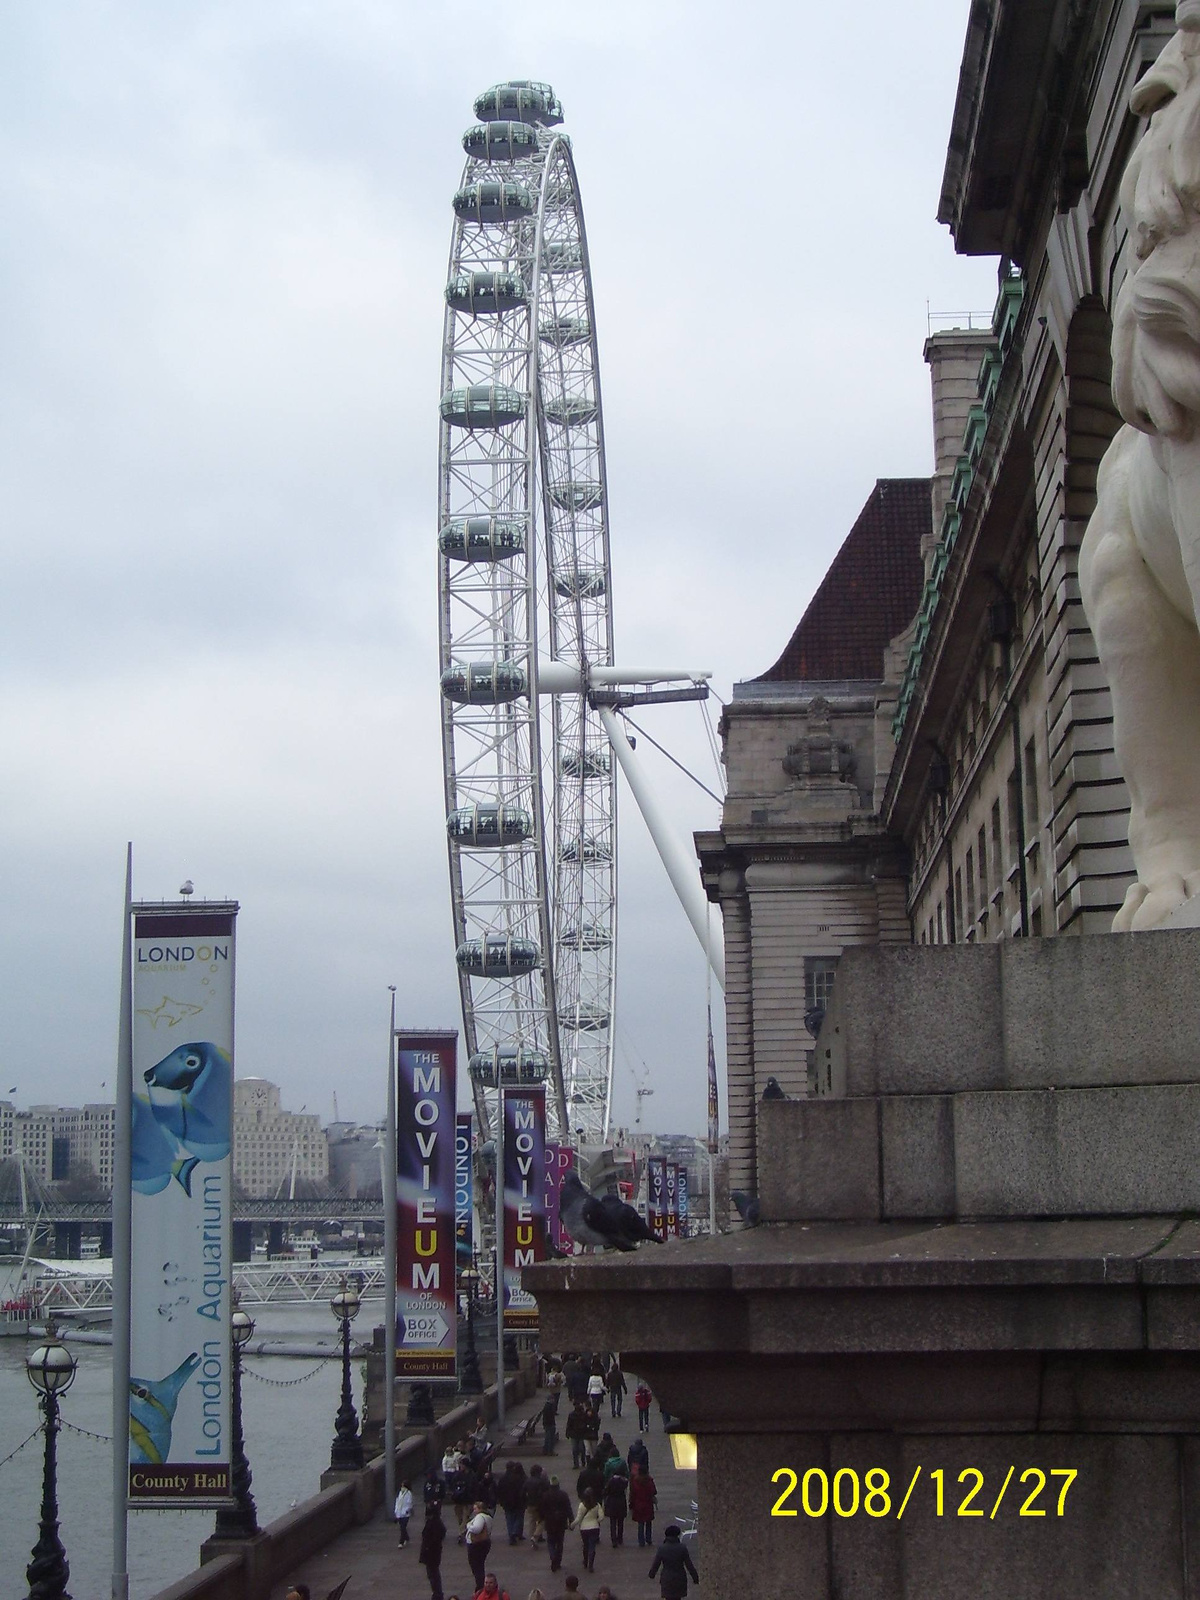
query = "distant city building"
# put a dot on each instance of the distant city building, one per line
(354, 1168)
(271, 1145)
(57, 1142)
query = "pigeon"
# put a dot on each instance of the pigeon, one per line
(606, 1222)
(747, 1207)
(773, 1091)
(813, 1018)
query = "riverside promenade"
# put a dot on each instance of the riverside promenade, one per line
(378, 1570)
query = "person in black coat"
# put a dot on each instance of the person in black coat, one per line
(433, 1537)
(673, 1564)
(616, 1506)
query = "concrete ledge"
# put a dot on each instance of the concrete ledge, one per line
(1125, 1151)
(218, 1579)
(1100, 1010)
(819, 1158)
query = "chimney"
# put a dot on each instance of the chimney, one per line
(953, 355)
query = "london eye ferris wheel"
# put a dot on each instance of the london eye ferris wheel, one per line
(529, 687)
(525, 582)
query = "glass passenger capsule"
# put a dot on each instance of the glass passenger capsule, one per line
(586, 936)
(490, 825)
(483, 405)
(482, 539)
(562, 255)
(571, 410)
(484, 683)
(500, 141)
(585, 764)
(585, 1019)
(525, 102)
(562, 331)
(498, 955)
(487, 203)
(512, 1064)
(581, 583)
(480, 293)
(585, 849)
(554, 111)
(576, 496)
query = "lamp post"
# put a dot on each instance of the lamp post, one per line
(347, 1452)
(470, 1379)
(51, 1371)
(240, 1520)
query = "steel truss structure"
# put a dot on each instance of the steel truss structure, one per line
(530, 782)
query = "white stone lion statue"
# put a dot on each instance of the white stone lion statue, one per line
(1139, 565)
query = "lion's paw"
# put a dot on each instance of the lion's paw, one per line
(1155, 903)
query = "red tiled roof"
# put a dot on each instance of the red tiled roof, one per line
(870, 593)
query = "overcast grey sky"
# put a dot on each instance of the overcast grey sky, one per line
(225, 231)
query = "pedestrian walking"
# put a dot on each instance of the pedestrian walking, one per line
(616, 1504)
(536, 1485)
(556, 1519)
(673, 1564)
(605, 1593)
(578, 1431)
(491, 1590)
(433, 1537)
(587, 1520)
(571, 1588)
(643, 1494)
(642, 1399)
(637, 1455)
(617, 1388)
(510, 1497)
(595, 1384)
(404, 1510)
(479, 1543)
(550, 1425)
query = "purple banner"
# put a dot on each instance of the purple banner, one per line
(524, 1200)
(560, 1159)
(426, 1304)
(672, 1177)
(656, 1196)
(464, 1218)
(681, 1196)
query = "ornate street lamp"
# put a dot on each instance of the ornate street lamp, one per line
(347, 1452)
(240, 1520)
(470, 1379)
(51, 1370)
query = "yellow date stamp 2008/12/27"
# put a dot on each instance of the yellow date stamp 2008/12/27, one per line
(845, 1494)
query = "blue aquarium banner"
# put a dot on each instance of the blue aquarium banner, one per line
(426, 1181)
(464, 1220)
(524, 1201)
(181, 1222)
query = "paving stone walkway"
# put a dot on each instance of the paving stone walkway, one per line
(380, 1571)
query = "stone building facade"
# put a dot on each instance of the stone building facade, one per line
(959, 784)
(55, 1141)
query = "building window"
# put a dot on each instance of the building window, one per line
(1032, 806)
(941, 932)
(959, 926)
(970, 923)
(818, 981)
(998, 854)
(981, 844)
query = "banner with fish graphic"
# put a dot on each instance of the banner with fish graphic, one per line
(682, 1201)
(464, 1220)
(672, 1184)
(181, 1119)
(656, 1195)
(426, 1135)
(524, 1201)
(560, 1159)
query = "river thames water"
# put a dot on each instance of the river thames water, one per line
(288, 1428)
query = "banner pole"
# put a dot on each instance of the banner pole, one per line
(121, 1249)
(387, 1190)
(500, 1218)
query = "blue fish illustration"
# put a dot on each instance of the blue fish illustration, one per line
(152, 1411)
(156, 1158)
(190, 1093)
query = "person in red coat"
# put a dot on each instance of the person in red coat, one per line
(643, 1493)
